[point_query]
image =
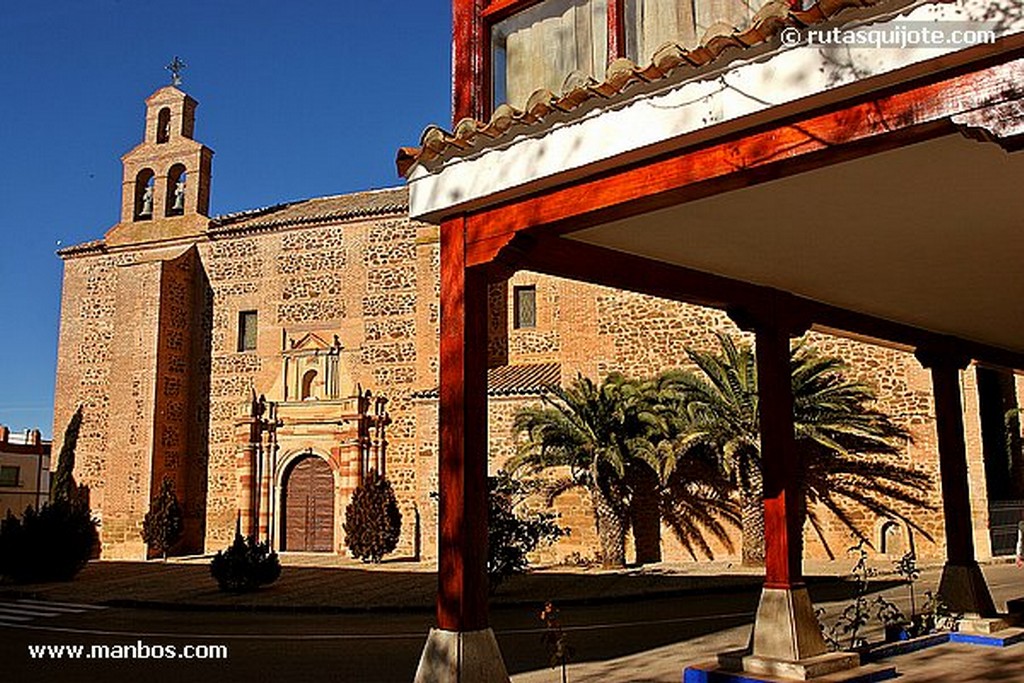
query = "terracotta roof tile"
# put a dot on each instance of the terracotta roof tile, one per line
(312, 211)
(670, 61)
(524, 379)
(83, 248)
(393, 200)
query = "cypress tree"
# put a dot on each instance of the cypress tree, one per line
(372, 520)
(62, 488)
(163, 526)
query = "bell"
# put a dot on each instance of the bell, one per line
(179, 196)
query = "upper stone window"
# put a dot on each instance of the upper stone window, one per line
(524, 302)
(308, 386)
(163, 126)
(247, 331)
(175, 202)
(144, 195)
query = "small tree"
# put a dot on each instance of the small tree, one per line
(163, 525)
(372, 520)
(513, 534)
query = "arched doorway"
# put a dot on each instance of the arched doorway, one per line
(308, 506)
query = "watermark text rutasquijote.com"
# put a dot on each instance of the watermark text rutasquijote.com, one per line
(895, 35)
(134, 651)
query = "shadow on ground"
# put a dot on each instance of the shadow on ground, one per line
(605, 614)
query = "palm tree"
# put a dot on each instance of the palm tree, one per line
(588, 429)
(844, 443)
(694, 498)
(611, 438)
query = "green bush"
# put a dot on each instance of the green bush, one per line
(372, 520)
(512, 534)
(53, 544)
(245, 565)
(163, 525)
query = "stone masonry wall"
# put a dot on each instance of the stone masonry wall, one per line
(374, 283)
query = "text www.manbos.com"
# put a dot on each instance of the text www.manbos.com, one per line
(137, 650)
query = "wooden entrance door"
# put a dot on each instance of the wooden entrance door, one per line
(309, 506)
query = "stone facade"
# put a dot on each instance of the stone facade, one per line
(344, 292)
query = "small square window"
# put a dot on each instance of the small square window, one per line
(9, 475)
(247, 331)
(524, 307)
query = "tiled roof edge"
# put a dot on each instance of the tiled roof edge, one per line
(524, 391)
(437, 144)
(217, 230)
(91, 247)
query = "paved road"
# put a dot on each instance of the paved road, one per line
(648, 640)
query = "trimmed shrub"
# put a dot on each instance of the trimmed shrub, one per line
(245, 565)
(513, 534)
(53, 544)
(372, 520)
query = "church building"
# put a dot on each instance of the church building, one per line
(265, 360)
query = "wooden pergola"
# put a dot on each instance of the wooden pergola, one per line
(640, 226)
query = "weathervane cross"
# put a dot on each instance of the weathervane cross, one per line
(175, 67)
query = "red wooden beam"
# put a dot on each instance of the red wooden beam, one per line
(567, 258)
(462, 461)
(867, 126)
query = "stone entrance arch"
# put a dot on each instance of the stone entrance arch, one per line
(307, 505)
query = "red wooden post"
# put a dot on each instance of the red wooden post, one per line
(962, 586)
(780, 461)
(616, 29)
(462, 596)
(785, 628)
(462, 649)
(949, 425)
(469, 78)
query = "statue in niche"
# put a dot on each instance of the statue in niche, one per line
(179, 196)
(147, 202)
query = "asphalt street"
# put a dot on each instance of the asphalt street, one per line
(640, 639)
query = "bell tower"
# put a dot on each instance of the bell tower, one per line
(165, 189)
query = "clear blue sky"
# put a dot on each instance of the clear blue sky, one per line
(297, 99)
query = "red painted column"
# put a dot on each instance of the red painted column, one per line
(962, 585)
(462, 594)
(469, 77)
(785, 628)
(616, 29)
(780, 462)
(949, 425)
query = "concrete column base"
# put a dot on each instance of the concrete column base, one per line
(461, 657)
(710, 673)
(803, 669)
(964, 590)
(786, 628)
(986, 625)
